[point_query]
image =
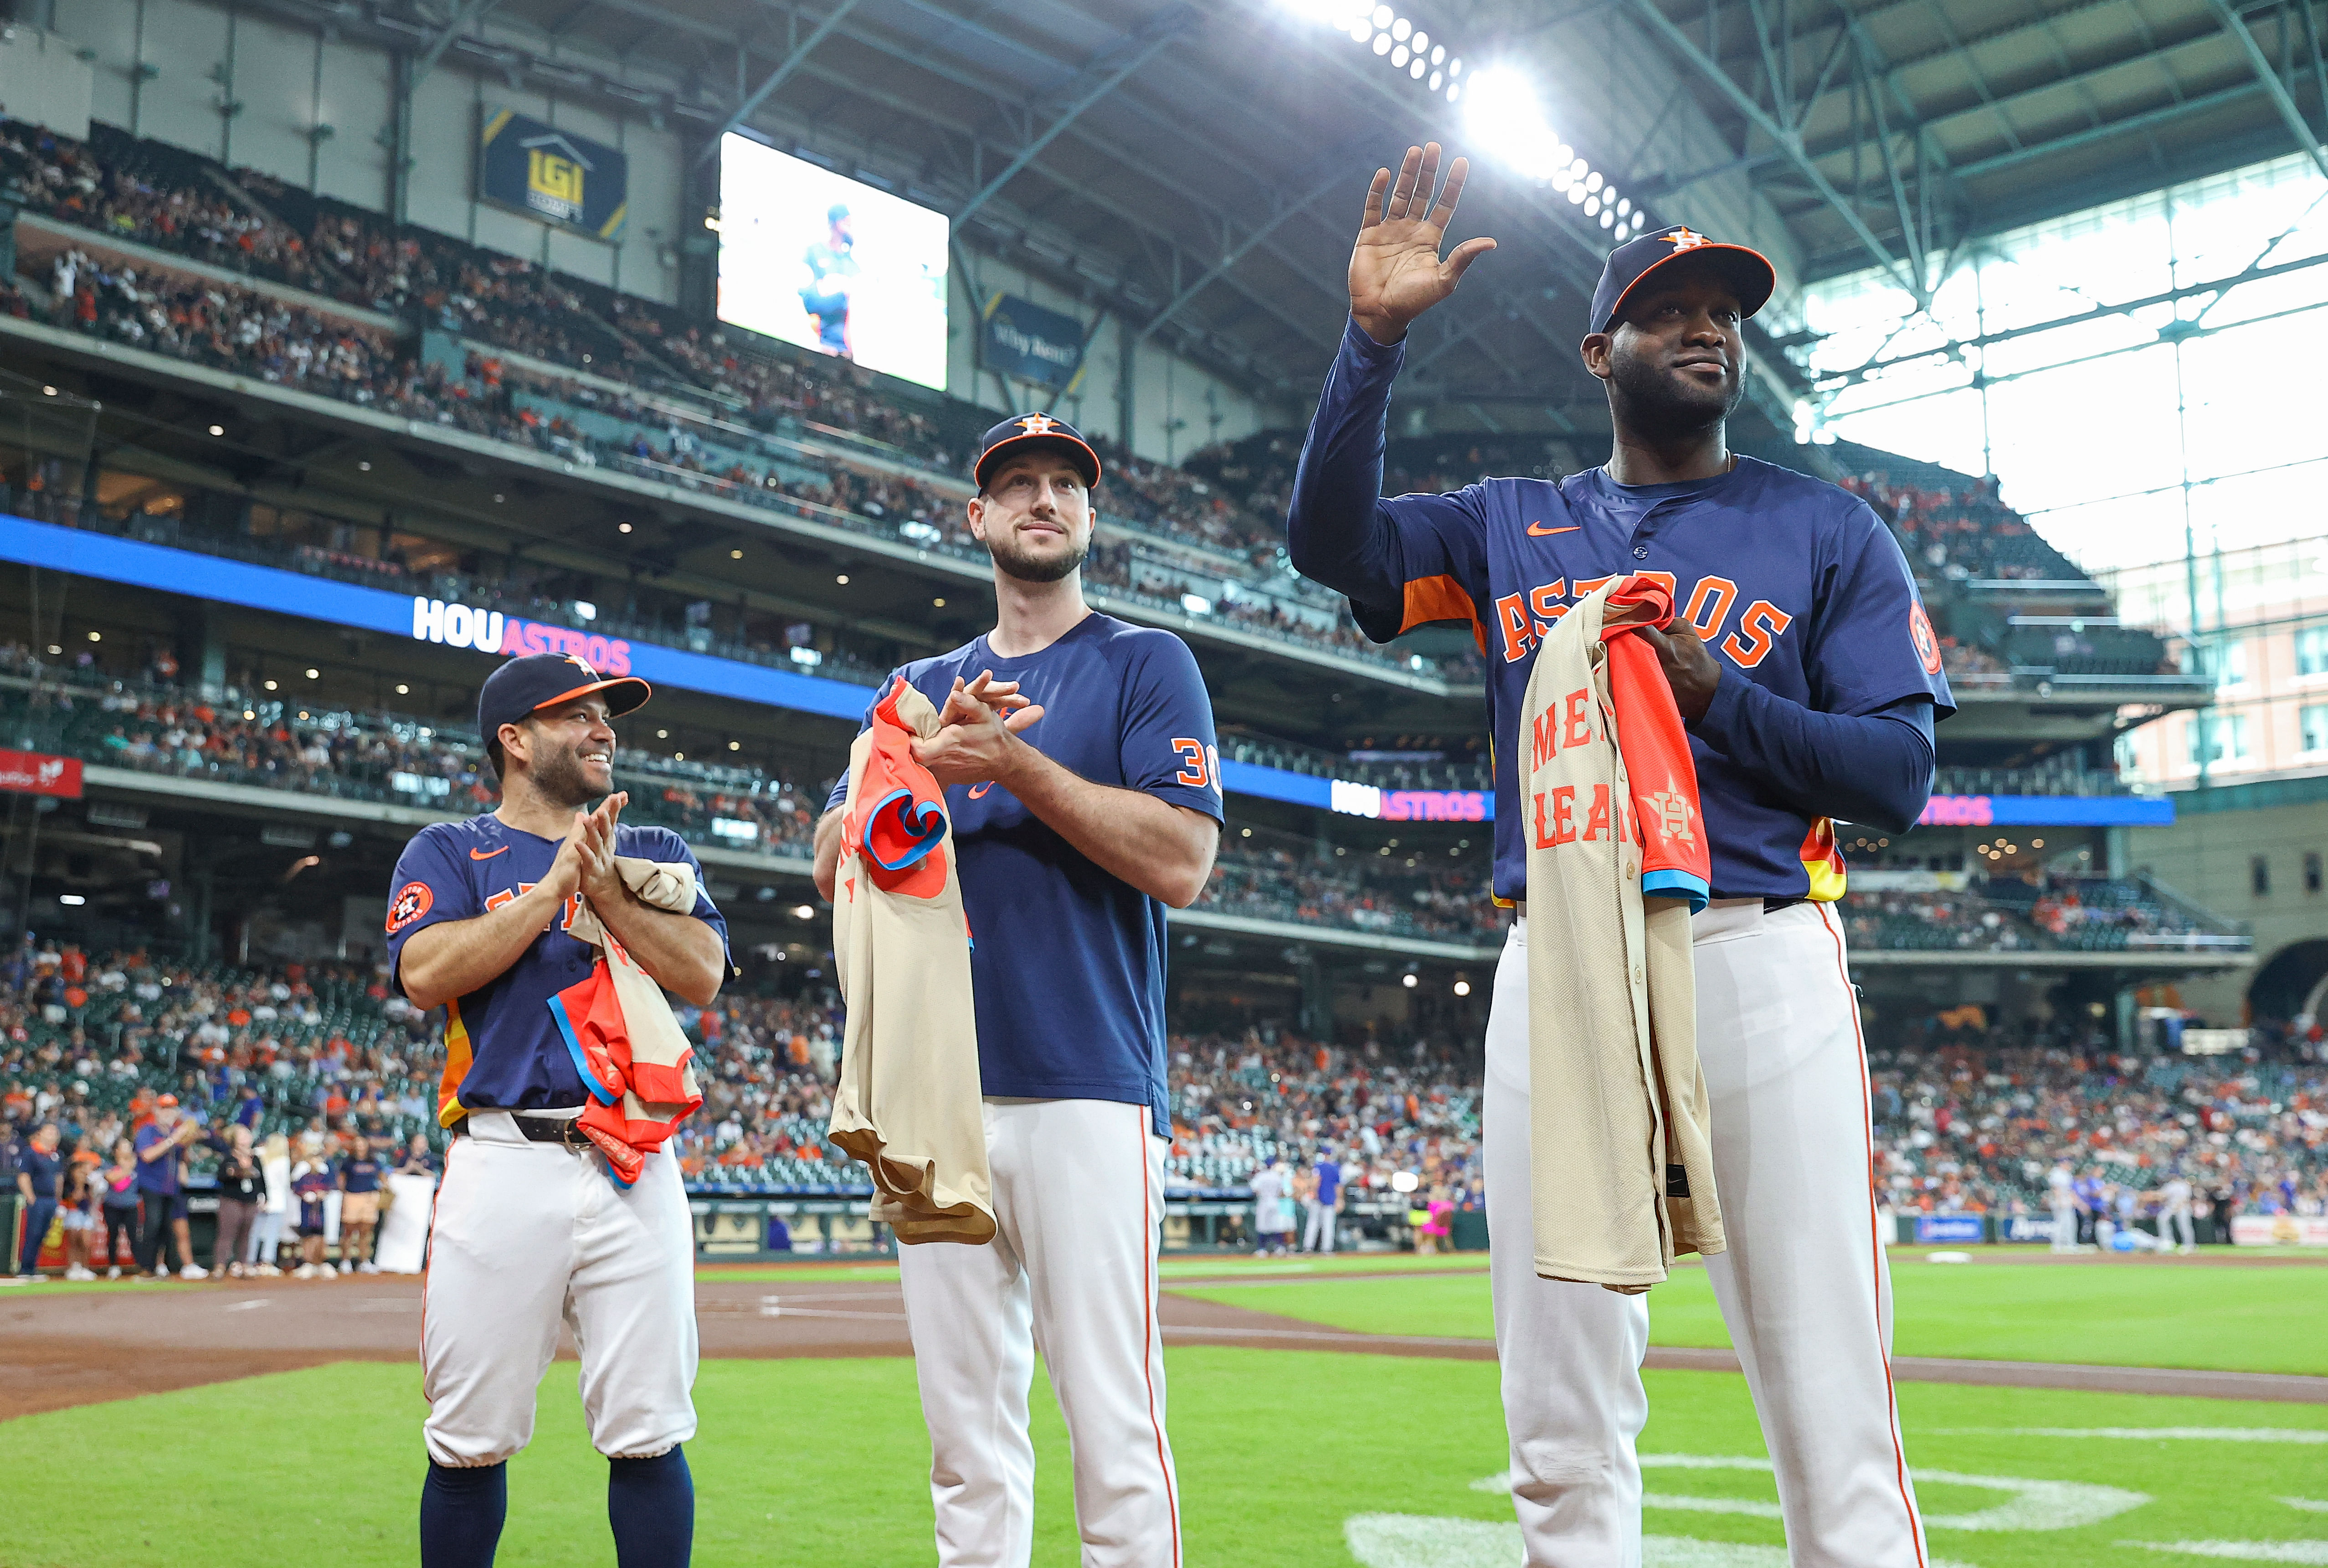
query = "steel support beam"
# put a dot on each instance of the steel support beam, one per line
(776, 79)
(1827, 386)
(1238, 252)
(2281, 99)
(2149, 120)
(463, 14)
(1788, 142)
(1159, 35)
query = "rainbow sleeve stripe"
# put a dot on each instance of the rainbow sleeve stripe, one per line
(458, 1058)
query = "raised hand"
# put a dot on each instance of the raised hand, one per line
(1396, 270)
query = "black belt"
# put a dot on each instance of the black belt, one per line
(1772, 905)
(565, 1129)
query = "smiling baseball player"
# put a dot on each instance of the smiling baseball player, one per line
(529, 1230)
(1071, 835)
(1809, 679)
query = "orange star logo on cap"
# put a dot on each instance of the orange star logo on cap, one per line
(1685, 239)
(1039, 423)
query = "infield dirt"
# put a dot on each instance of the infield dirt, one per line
(62, 1348)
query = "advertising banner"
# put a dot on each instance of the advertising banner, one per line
(552, 176)
(30, 772)
(1950, 1227)
(2279, 1230)
(1026, 343)
(2047, 812)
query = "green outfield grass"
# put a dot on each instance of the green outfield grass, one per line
(2225, 1318)
(815, 1462)
(1200, 1265)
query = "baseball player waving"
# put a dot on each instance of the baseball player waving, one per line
(1810, 680)
(1072, 836)
(529, 1230)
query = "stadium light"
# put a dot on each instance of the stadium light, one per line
(1508, 123)
(72, 900)
(1398, 41)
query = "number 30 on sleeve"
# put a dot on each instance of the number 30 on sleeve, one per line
(1199, 767)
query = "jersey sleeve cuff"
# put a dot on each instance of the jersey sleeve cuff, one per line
(1197, 800)
(1676, 885)
(1357, 342)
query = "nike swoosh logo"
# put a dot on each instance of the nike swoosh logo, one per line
(978, 791)
(487, 854)
(1538, 531)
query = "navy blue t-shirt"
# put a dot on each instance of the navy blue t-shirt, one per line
(502, 1049)
(161, 1175)
(1066, 961)
(1794, 584)
(43, 1169)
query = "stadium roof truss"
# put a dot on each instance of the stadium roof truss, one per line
(1895, 134)
(1197, 168)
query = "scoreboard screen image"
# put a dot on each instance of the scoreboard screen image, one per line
(831, 263)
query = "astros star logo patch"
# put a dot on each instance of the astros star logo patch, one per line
(1687, 239)
(1674, 814)
(1039, 423)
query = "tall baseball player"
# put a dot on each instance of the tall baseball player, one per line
(2062, 1199)
(1072, 836)
(529, 1231)
(1809, 679)
(2175, 1228)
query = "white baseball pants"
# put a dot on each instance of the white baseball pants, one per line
(1803, 1287)
(2065, 1228)
(1319, 1237)
(528, 1236)
(1078, 1201)
(2175, 1228)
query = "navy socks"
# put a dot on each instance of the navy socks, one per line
(461, 1515)
(650, 1503)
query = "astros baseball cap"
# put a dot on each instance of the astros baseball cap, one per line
(1746, 270)
(169, 1100)
(520, 686)
(1032, 432)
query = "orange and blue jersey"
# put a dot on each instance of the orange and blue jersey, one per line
(503, 1047)
(1830, 671)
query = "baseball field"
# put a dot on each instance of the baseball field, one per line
(2121, 1410)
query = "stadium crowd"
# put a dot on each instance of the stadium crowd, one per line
(297, 1073)
(1973, 1118)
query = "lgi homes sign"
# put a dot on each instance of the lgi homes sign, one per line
(553, 176)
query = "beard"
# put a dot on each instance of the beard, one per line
(1013, 562)
(1657, 404)
(559, 778)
